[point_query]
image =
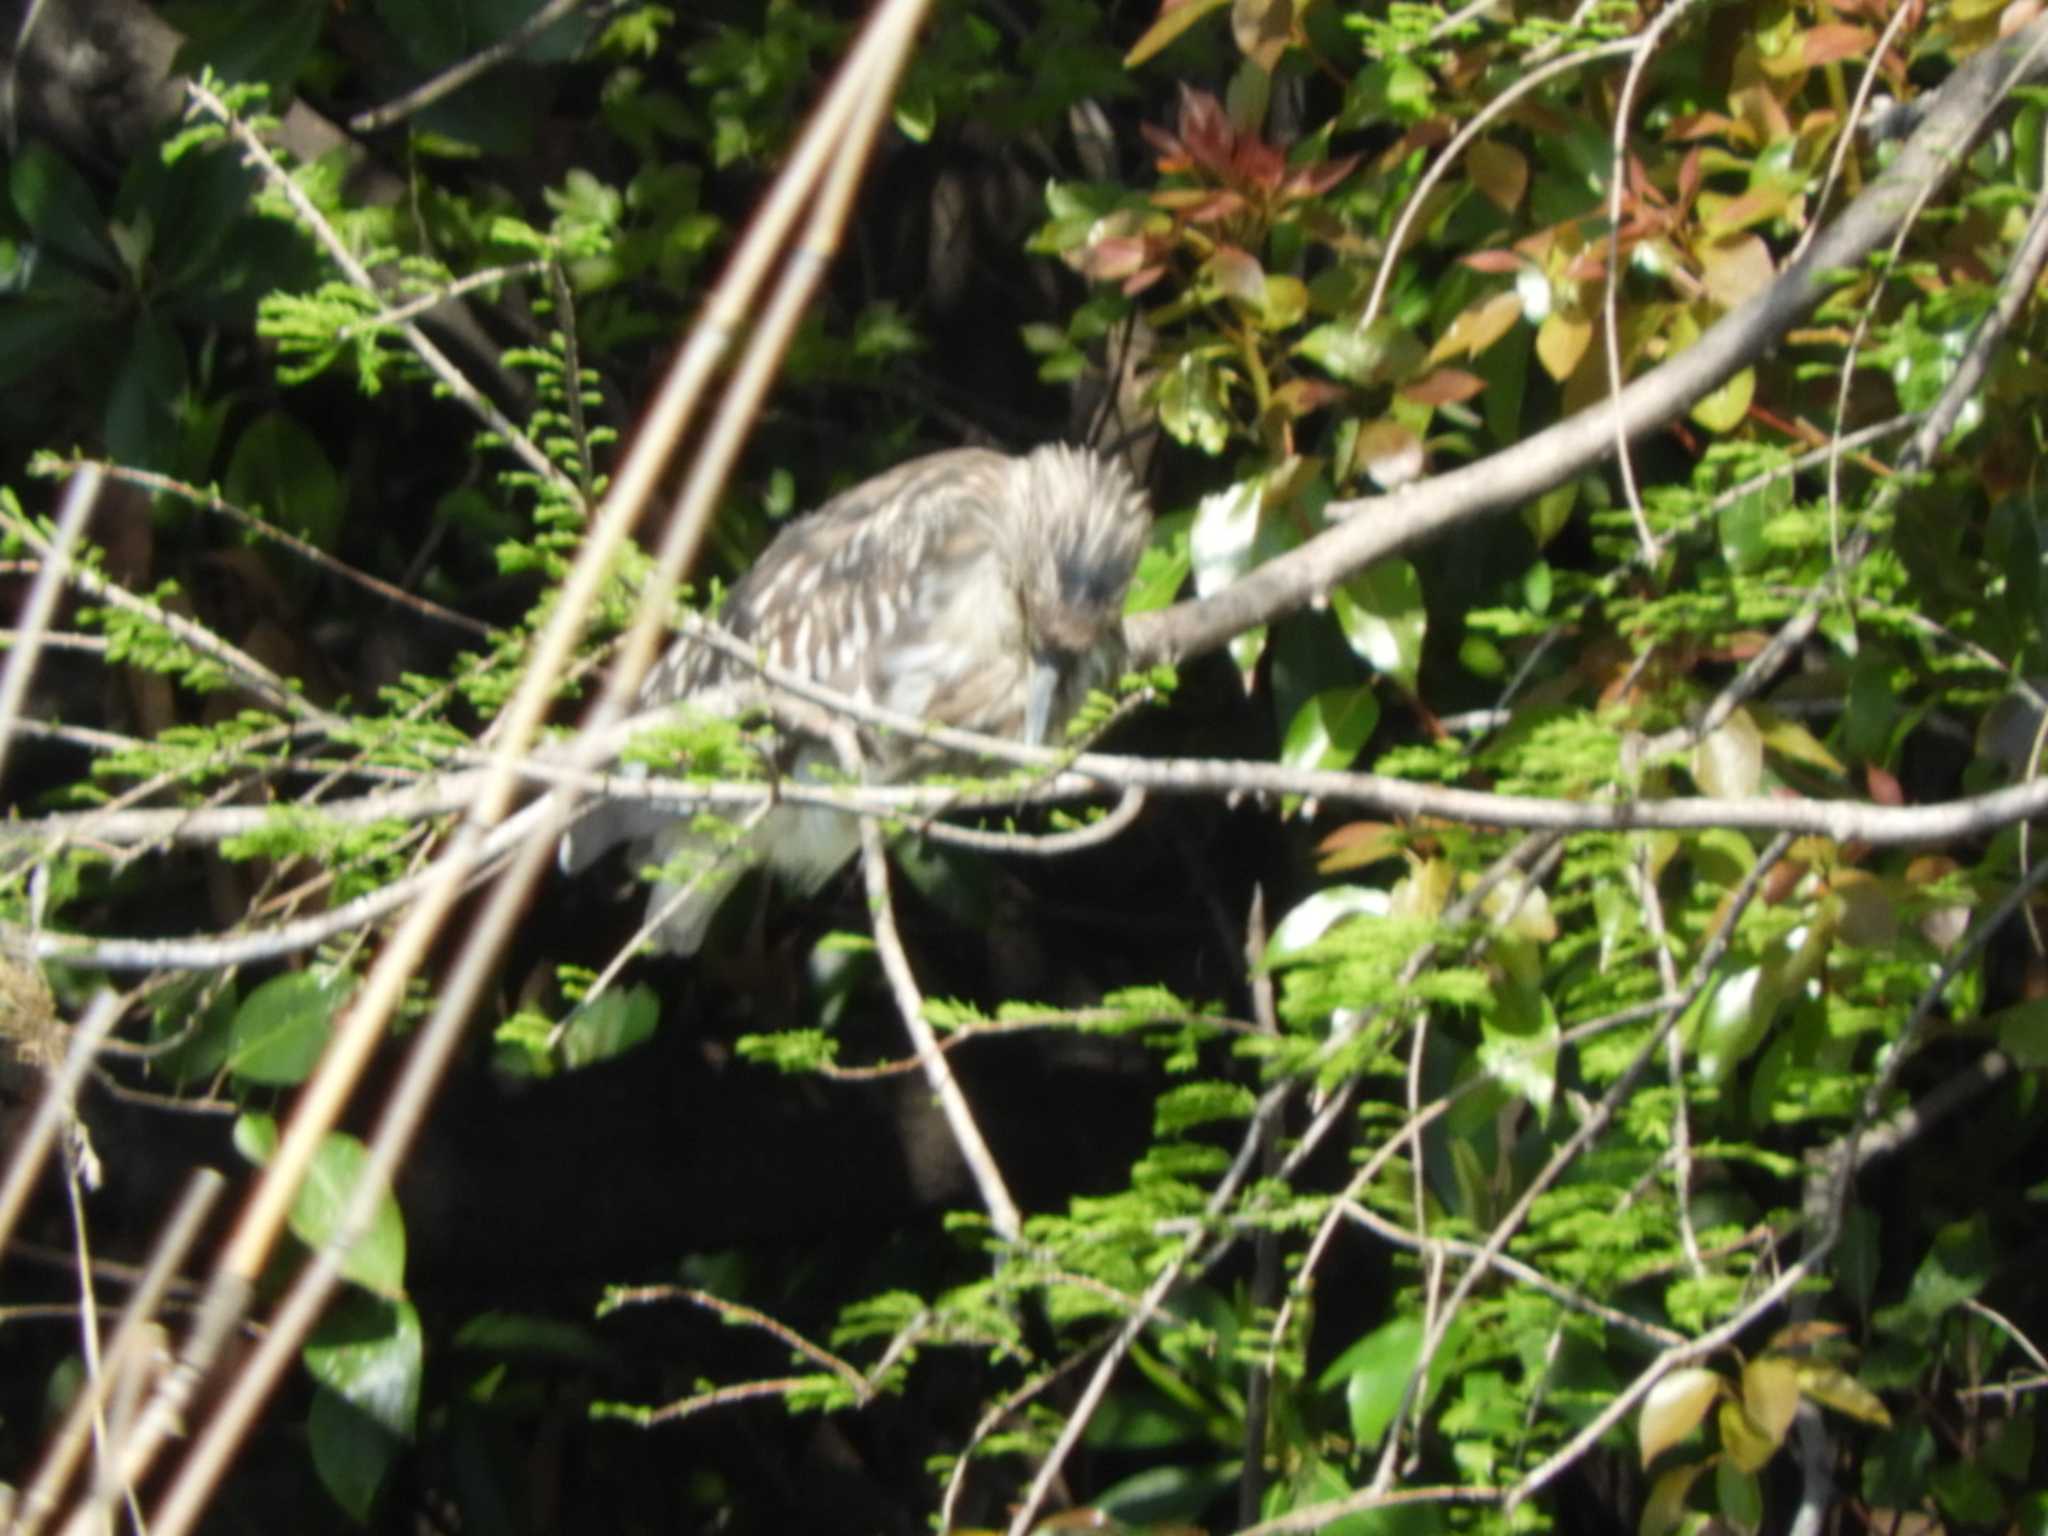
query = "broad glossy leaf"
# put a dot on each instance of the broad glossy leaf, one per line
(1478, 326)
(1390, 453)
(1312, 918)
(1737, 269)
(367, 1351)
(1373, 354)
(1190, 397)
(280, 469)
(1729, 763)
(1740, 1498)
(1665, 1506)
(1724, 409)
(1674, 1408)
(1173, 21)
(1770, 1394)
(377, 1259)
(1331, 729)
(352, 1453)
(1500, 171)
(1381, 613)
(1833, 1387)
(1746, 1443)
(610, 1027)
(1561, 341)
(282, 1027)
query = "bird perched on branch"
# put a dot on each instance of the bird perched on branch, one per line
(969, 588)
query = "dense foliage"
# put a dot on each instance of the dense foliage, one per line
(1553, 1048)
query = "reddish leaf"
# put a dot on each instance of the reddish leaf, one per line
(1237, 274)
(1259, 164)
(1111, 257)
(1216, 207)
(1205, 130)
(1445, 386)
(1173, 155)
(1315, 179)
(1502, 262)
(1689, 174)
(1884, 788)
(1707, 125)
(1828, 43)
(1358, 844)
(1298, 397)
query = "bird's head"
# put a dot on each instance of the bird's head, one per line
(1080, 525)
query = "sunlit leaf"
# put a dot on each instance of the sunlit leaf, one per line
(1770, 1394)
(1674, 1408)
(1381, 613)
(1331, 729)
(1561, 341)
(1724, 409)
(1743, 1441)
(282, 1027)
(1478, 326)
(1729, 762)
(1833, 1387)
(1174, 19)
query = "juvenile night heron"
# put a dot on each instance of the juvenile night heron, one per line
(968, 588)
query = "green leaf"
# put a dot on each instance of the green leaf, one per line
(1835, 1388)
(1191, 400)
(352, 1453)
(1164, 566)
(1956, 1268)
(149, 388)
(1375, 354)
(1740, 1497)
(59, 208)
(377, 1259)
(1168, 27)
(1331, 729)
(1375, 1372)
(610, 1027)
(282, 1027)
(1521, 1061)
(367, 1351)
(1665, 1506)
(1725, 408)
(1381, 613)
(279, 468)
(2023, 1033)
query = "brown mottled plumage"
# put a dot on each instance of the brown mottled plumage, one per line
(968, 587)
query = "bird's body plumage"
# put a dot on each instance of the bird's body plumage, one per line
(968, 587)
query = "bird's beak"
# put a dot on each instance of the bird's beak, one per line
(1042, 688)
